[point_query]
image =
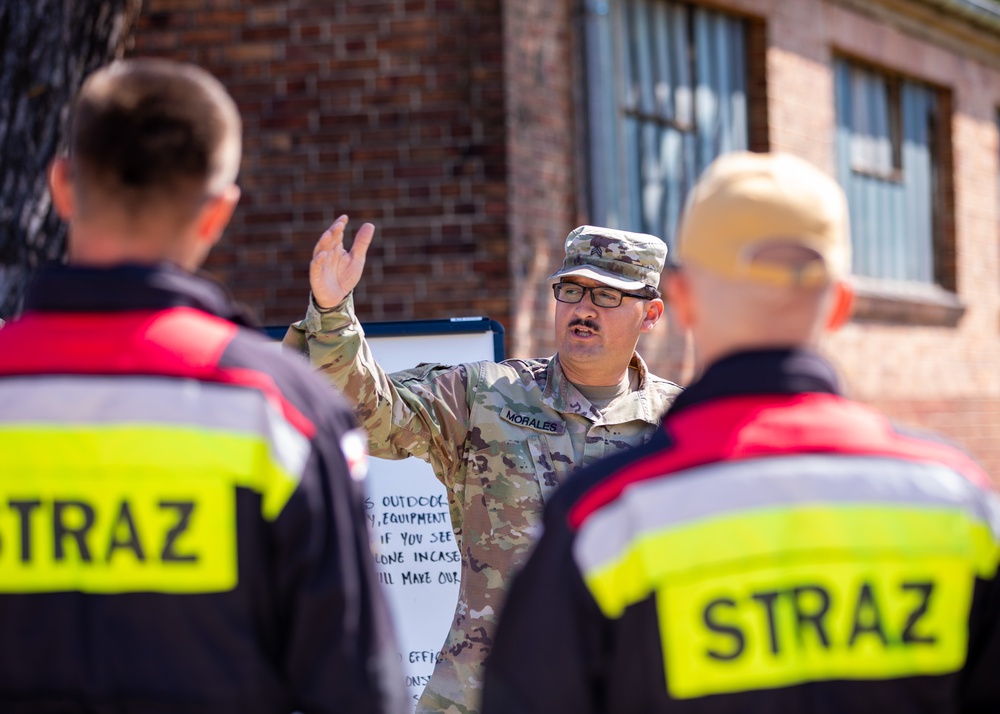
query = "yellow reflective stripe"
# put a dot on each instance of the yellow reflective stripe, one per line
(719, 545)
(174, 535)
(112, 508)
(987, 551)
(780, 596)
(157, 450)
(783, 625)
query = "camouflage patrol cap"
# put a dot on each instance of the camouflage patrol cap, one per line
(619, 259)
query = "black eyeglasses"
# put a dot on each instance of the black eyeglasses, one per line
(602, 296)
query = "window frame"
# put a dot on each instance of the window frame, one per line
(614, 196)
(892, 300)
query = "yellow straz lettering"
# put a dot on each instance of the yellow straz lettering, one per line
(119, 535)
(82, 515)
(923, 591)
(72, 521)
(712, 622)
(867, 619)
(168, 553)
(776, 627)
(125, 541)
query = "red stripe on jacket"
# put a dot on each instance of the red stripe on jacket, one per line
(178, 342)
(747, 427)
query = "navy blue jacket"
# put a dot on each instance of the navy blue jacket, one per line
(774, 548)
(181, 517)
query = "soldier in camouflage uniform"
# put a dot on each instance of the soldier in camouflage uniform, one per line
(500, 436)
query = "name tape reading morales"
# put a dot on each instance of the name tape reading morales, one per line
(532, 422)
(775, 627)
(118, 534)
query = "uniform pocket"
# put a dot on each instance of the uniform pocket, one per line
(545, 467)
(504, 491)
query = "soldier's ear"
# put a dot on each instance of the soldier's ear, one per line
(654, 311)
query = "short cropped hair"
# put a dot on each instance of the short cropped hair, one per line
(145, 129)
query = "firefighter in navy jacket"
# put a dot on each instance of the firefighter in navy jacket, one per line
(181, 517)
(775, 547)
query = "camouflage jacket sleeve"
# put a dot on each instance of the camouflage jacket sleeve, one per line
(422, 412)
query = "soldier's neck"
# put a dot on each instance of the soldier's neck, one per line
(602, 396)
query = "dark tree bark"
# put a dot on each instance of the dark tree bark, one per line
(47, 48)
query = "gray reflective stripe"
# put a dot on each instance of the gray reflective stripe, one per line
(991, 507)
(734, 486)
(291, 447)
(65, 401)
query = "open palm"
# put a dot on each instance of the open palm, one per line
(335, 271)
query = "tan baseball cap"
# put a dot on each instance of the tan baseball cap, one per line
(620, 259)
(746, 204)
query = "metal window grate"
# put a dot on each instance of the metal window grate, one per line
(667, 95)
(886, 164)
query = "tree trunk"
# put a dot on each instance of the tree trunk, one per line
(47, 48)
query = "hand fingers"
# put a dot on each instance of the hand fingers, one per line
(332, 236)
(362, 240)
(316, 272)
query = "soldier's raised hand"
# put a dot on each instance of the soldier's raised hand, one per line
(334, 271)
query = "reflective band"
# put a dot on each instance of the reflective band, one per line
(154, 416)
(724, 545)
(779, 571)
(114, 532)
(732, 487)
(778, 625)
(96, 400)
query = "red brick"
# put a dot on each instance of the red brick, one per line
(264, 34)
(229, 18)
(256, 52)
(266, 16)
(176, 5)
(456, 125)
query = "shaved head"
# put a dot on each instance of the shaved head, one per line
(148, 131)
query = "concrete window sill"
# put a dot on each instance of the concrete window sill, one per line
(895, 302)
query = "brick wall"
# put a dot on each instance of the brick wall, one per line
(542, 67)
(942, 378)
(971, 421)
(947, 379)
(391, 111)
(454, 125)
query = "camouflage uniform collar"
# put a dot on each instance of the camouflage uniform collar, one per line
(561, 395)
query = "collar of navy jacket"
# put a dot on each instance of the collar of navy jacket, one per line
(69, 288)
(773, 371)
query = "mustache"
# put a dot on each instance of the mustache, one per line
(583, 322)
